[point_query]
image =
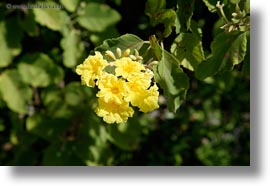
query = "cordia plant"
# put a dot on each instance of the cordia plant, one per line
(129, 80)
(66, 72)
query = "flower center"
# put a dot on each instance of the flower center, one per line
(115, 90)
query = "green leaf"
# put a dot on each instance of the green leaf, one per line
(70, 5)
(10, 38)
(54, 19)
(93, 136)
(98, 38)
(76, 94)
(154, 6)
(15, 93)
(125, 136)
(123, 42)
(73, 48)
(28, 23)
(155, 9)
(185, 12)
(170, 77)
(246, 65)
(39, 70)
(50, 129)
(228, 50)
(166, 17)
(97, 17)
(188, 50)
(61, 154)
(235, 1)
(211, 5)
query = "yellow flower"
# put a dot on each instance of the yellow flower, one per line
(111, 88)
(125, 84)
(125, 66)
(113, 112)
(140, 80)
(91, 69)
(145, 100)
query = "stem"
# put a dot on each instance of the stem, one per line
(220, 7)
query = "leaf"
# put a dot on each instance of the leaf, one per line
(98, 38)
(61, 154)
(76, 94)
(228, 49)
(54, 19)
(70, 5)
(123, 42)
(154, 6)
(97, 17)
(15, 93)
(188, 50)
(125, 136)
(39, 70)
(93, 136)
(50, 129)
(185, 12)
(211, 5)
(166, 17)
(170, 77)
(156, 10)
(73, 48)
(10, 39)
(28, 23)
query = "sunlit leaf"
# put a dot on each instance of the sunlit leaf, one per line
(123, 42)
(97, 17)
(15, 93)
(73, 48)
(53, 18)
(39, 70)
(70, 5)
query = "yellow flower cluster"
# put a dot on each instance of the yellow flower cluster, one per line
(128, 84)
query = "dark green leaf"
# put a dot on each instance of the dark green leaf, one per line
(98, 38)
(154, 6)
(93, 136)
(28, 23)
(10, 38)
(97, 17)
(166, 17)
(185, 12)
(159, 15)
(59, 154)
(228, 50)
(47, 128)
(126, 136)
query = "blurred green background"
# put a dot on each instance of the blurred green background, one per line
(47, 118)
